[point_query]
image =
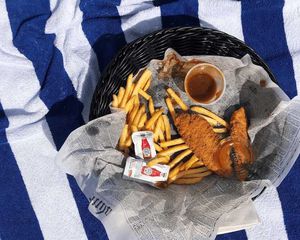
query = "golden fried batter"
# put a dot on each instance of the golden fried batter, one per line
(239, 126)
(242, 148)
(234, 154)
(198, 134)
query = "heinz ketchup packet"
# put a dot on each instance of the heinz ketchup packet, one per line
(144, 145)
(137, 170)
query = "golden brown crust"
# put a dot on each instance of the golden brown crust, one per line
(239, 126)
(240, 139)
(198, 134)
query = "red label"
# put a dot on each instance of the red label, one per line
(150, 171)
(146, 149)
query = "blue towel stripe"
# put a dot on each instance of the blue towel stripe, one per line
(93, 227)
(239, 235)
(107, 38)
(57, 91)
(174, 14)
(17, 217)
(269, 40)
(289, 194)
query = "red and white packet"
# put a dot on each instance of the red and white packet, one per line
(137, 170)
(143, 145)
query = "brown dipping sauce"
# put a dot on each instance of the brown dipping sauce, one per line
(201, 87)
(227, 163)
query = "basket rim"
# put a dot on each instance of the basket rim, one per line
(155, 36)
(173, 29)
(131, 45)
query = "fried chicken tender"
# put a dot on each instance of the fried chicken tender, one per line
(241, 143)
(229, 157)
(198, 134)
(239, 126)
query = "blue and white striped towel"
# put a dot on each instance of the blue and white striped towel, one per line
(52, 53)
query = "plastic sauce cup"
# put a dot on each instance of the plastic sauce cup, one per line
(204, 84)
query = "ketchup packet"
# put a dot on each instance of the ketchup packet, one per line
(137, 170)
(144, 145)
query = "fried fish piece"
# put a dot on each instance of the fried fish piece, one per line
(199, 135)
(241, 145)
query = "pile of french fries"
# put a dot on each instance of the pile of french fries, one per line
(185, 167)
(128, 98)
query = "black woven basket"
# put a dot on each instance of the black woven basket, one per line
(185, 40)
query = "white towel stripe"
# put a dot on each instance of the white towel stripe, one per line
(138, 18)
(291, 18)
(222, 15)
(80, 61)
(269, 209)
(32, 144)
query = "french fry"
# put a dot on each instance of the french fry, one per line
(190, 162)
(131, 90)
(133, 113)
(210, 120)
(143, 119)
(153, 119)
(151, 106)
(157, 147)
(123, 136)
(180, 157)
(184, 181)
(115, 102)
(121, 94)
(177, 99)
(170, 108)
(129, 104)
(162, 125)
(133, 128)
(147, 85)
(190, 174)
(144, 94)
(195, 170)
(194, 175)
(197, 164)
(158, 160)
(173, 142)
(173, 173)
(208, 113)
(220, 130)
(173, 150)
(161, 137)
(182, 167)
(136, 100)
(156, 131)
(128, 141)
(127, 91)
(139, 115)
(167, 127)
(142, 81)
